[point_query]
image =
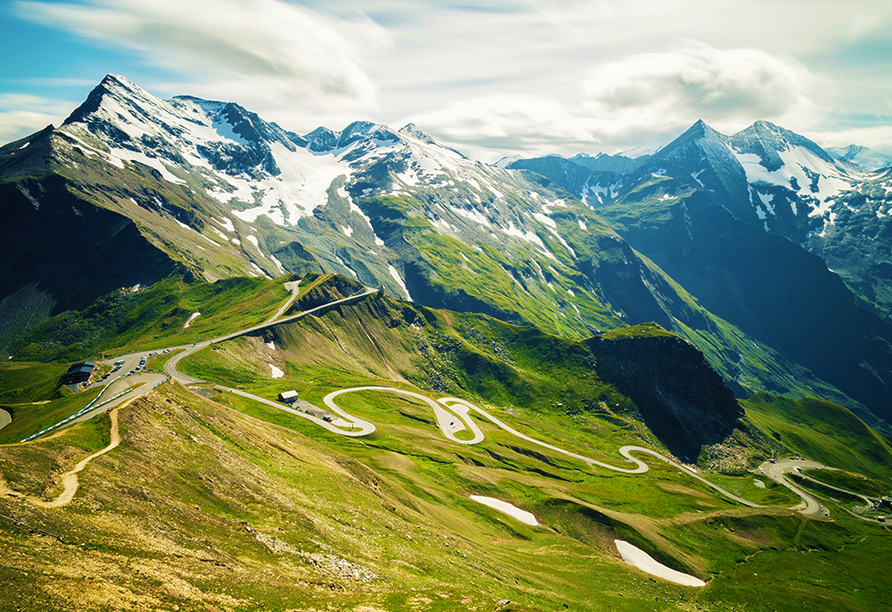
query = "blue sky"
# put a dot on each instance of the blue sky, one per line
(489, 78)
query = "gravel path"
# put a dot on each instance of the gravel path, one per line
(70, 483)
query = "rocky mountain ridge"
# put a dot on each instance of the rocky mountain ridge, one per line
(209, 190)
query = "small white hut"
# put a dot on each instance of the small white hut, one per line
(289, 397)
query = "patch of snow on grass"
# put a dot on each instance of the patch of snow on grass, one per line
(766, 200)
(440, 224)
(226, 224)
(278, 264)
(643, 561)
(473, 215)
(253, 240)
(399, 280)
(582, 225)
(257, 271)
(528, 237)
(348, 268)
(142, 158)
(546, 221)
(358, 211)
(191, 318)
(276, 372)
(272, 345)
(348, 231)
(87, 150)
(563, 242)
(527, 518)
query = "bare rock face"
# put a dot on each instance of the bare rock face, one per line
(679, 396)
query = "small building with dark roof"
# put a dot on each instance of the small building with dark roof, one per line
(289, 397)
(79, 372)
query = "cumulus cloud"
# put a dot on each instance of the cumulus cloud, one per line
(504, 77)
(642, 99)
(264, 50)
(722, 86)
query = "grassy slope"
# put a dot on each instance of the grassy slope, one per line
(164, 519)
(178, 516)
(656, 510)
(30, 382)
(154, 317)
(822, 431)
(117, 324)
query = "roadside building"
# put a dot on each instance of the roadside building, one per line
(79, 372)
(289, 397)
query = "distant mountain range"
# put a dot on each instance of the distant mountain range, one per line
(728, 241)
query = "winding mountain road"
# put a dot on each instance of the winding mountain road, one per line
(461, 409)
(777, 470)
(170, 367)
(453, 414)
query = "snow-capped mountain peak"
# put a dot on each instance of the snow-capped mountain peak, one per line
(267, 200)
(768, 140)
(784, 168)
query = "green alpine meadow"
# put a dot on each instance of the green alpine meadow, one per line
(249, 369)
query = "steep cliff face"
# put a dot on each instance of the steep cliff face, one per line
(680, 397)
(61, 252)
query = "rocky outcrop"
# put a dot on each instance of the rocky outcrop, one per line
(62, 252)
(683, 401)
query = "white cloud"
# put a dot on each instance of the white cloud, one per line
(21, 115)
(272, 52)
(877, 137)
(694, 81)
(641, 99)
(508, 123)
(507, 76)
